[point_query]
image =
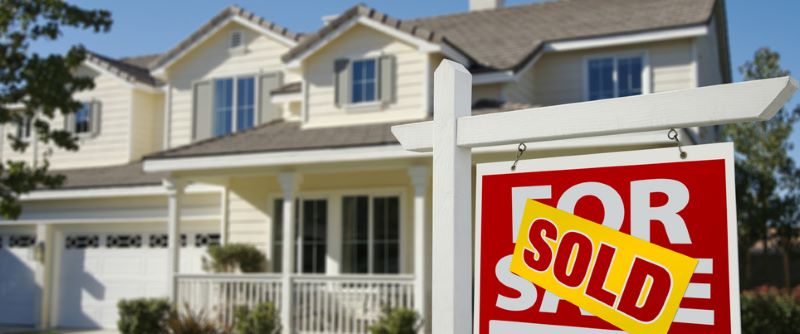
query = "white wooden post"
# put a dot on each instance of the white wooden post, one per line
(419, 179)
(224, 212)
(289, 182)
(43, 273)
(452, 199)
(175, 189)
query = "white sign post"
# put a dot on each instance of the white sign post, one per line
(454, 132)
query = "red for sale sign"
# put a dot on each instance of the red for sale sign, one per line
(684, 205)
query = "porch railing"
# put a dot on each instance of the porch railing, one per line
(218, 295)
(346, 304)
(321, 304)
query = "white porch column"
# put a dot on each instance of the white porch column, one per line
(175, 189)
(419, 179)
(289, 181)
(452, 203)
(43, 273)
(224, 212)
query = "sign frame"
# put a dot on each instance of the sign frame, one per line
(719, 151)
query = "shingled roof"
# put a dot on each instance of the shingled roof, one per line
(129, 69)
(214, 23)
(126, 175)
(288, 136)
(504, 38)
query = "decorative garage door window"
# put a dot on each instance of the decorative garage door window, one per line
(124, 241)
(162, 240)
(206, 239)
(21, 241)
(82, 241)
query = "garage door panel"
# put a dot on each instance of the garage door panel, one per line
(118, 265)
(18, 289)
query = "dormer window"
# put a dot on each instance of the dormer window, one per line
(237, 40)
(364, 81)
(85, 122)
(83, 119)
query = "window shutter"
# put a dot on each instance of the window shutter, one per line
(267, 83)
(387, 73)
(95, 117)
(341, 70)
(203, 110)
(69, 123)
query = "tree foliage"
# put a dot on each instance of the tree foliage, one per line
(35, 87)
(766, 175)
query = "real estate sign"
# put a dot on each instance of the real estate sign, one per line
(643, 241)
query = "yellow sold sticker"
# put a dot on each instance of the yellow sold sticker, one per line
(628, 282)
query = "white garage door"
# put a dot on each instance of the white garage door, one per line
(18, 289)
(99, 269)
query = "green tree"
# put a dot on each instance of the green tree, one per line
(34, 88)
(765, 172)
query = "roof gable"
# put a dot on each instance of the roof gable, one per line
(227, 16)
(424, 39)
(126, 71)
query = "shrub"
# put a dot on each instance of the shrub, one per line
(397, 321)
(193, 322)
(230, 257)
(770, 310)
(262, 319)
(142, 315)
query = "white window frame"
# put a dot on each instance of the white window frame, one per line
(377, 100)
(335, 246)
(646, 70)
(235, 98)
(87, 133)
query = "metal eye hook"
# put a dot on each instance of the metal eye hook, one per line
(521, 148)
(672, 134)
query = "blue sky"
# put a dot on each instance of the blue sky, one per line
(150, 26)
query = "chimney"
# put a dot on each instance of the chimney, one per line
(485, 4)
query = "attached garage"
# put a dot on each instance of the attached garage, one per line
(99, 266)
(18, 289)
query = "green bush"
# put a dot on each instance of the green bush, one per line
(193, 322)
(397, 321)
(142, 315)
(262, 319)
(228, 258)
(770, 310)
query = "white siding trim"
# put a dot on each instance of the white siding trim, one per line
(111, 192)
(589, 43)
(625, 39)
(161, 70)
(421, 44)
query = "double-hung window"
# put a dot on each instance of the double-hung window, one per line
(24, 128)
(364, 86)
(371, 234)
(610, 77)
(83, 119)
(234, 105)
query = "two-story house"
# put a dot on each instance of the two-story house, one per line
(246, 132)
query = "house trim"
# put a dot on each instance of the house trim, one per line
(161, 70)
(132, 85)
(419, 43)
(112, 192)
(591, 43)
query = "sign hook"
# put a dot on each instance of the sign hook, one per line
(672, 134)
(521, 148)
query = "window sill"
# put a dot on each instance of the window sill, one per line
(364, 107)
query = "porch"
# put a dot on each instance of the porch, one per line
(355, 243)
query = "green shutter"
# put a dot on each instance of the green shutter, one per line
(341, 70)
(267, 83)
(203, 110)
(387, 74)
